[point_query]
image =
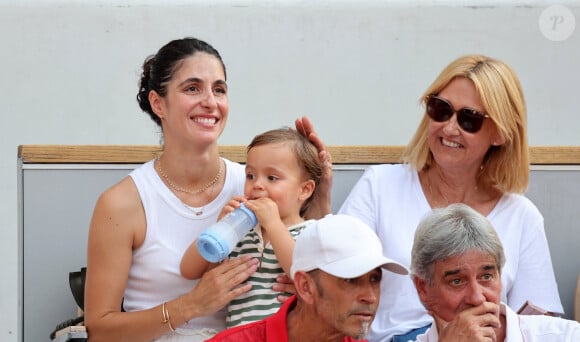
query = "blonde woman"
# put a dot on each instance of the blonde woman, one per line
(470, 147)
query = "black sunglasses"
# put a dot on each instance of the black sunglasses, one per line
(469, 119)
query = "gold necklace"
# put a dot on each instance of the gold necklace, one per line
(187, 191)
(196, 211)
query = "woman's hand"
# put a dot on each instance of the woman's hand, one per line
(320, 205)
(286, 285)
(218, 287)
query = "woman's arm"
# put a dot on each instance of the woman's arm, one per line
(118, 220)
(534, 265)
(117, 227)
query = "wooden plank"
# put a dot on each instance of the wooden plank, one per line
(104, 154)
(359, 154)
(367, 154)
(72, 154)
(555, 155)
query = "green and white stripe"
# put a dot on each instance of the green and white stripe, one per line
(261, 301)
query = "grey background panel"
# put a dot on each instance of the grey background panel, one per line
(58, 202)
(556, 193)
(57, 208)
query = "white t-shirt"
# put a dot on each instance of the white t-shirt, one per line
(526, 328)
(154, 276)
(389, 198)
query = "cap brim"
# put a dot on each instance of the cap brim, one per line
(358, 265)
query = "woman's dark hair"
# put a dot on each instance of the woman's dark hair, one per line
(158, 69)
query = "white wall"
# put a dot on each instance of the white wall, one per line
(70, 71)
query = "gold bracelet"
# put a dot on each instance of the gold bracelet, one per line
(169, 322)
(163, 311)
(166, 318)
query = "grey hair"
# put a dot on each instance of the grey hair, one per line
(452, 231)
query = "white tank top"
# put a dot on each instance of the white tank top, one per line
(154, 276)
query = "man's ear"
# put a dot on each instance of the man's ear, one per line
(421, 286)
(307, 189)
(156, 104)
(305, 287)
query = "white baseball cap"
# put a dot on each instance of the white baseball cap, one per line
(342, 246)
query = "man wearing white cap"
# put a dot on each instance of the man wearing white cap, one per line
(336, 268)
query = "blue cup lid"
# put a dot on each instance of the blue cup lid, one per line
(212, 248)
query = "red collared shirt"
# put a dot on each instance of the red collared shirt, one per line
(271, 329)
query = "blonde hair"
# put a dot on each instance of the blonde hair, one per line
(504, 167)
(304, 150)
